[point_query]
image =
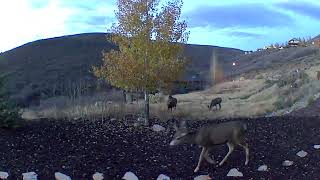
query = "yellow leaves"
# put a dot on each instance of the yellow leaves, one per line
(150, 45)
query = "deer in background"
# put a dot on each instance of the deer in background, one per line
(215, 102)
(231, 133)
(172, 103)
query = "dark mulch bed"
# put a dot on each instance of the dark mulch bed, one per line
(79, 149)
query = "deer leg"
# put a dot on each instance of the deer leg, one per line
(245, 147)
(231, 148)
(219, 106)
(200, 159)
(208, 158)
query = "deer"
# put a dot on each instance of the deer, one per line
(231, 133)
(215, 102)
(172, 103)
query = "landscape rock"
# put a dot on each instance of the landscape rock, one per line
(109, 102)
(76, 118)
(140, 122)
(202, 177)
(141, 119)
(316, 146)
(263, 168)
(302, 154)
(97, 176)
(29, 115)
(235, 173)
(60, 176)
(158, 128)
(30, 176)
(130, 176)
(4, 175)
(163, 177)
(287, 163)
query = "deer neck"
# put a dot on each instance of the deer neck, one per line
(190, 138)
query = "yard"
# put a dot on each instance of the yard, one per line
(113, 147)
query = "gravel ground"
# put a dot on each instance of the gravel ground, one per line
(79, 149)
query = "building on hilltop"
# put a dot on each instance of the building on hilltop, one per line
(316, 42)
(294, 42)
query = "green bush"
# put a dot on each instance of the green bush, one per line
(292, 78)
(156, 98)
(269, 81)
(311, 100)
(283, 103)
(259, 77)
(10, 117)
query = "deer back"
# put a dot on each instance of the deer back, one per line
(220, 133)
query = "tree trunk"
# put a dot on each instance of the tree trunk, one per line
(124, 96)
(146, 108)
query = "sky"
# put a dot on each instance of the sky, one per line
(242, 24)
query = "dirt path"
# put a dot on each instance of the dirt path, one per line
(79, 149)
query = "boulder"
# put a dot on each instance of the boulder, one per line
(60, 176)
(234, 173)
(158, 128)
(4, 175)
(287, 163)
(202, 177)
(29, 176)
(163, 177)
(97, 176)
(263, 168)
(130, 176)
(302, 153)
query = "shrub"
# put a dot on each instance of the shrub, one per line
(259, 77)
(283, 103)
(292, 78)
(156, 98)
(10, 117)
(311, 100)
(269, 81)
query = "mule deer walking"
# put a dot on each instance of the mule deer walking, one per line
(231, 133)
(215, 102)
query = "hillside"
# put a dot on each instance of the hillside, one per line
(59, 63)
(274, 59)
(59, 66)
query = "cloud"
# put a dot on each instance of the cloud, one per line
(22, 22)
(244, 34)
(302, 8)
(88, 5)
(239, 15)
(39, 3)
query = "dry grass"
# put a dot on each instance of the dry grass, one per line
(246, 98)
(190, 106)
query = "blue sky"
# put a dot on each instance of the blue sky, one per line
(242, 24)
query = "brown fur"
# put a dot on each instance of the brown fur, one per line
(231, 133)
